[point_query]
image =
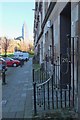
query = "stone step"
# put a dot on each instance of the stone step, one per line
(62, 114)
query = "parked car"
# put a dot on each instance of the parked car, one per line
(19, 58)
(11, 62)
(3, 65)
(23, 55)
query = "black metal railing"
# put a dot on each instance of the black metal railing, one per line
(49, 91)
(49, 95)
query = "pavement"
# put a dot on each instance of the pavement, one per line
(17, 94)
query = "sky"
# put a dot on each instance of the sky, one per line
(12, 17)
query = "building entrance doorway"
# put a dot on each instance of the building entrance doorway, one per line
(65, 45)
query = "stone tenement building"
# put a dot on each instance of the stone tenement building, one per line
(57, 41)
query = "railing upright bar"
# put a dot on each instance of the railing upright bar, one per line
(37, 96)
(35, 109)
(40, 75)
(61, 95)
(69, 94)
(65, 97)
(56, 98)
(46, 68)
(34, 88)
(44, 95)
(48, 95)
(56, 73)
(58, 69)
(73, 67)
(52, 94)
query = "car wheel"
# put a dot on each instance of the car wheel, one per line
(14, 65)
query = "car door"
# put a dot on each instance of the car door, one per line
(9, 62)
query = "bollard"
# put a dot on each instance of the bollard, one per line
(3, 77)
(33, 75)
(34, 88)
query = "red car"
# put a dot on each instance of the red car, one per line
(11, 62)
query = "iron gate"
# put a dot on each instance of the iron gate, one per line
(51, 93)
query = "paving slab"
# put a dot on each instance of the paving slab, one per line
(19, 114)
(9, 114)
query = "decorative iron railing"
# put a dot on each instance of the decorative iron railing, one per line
(49, 91)
(48, 94)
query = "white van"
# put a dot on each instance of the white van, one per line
(23, 55)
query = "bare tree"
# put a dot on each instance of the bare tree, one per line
(5, 45)
(31, 47)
